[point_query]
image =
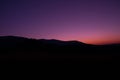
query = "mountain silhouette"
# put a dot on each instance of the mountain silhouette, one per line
(52, 45)
(15, 45)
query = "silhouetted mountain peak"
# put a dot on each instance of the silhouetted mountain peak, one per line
(52, 45)
(12, 37)
(50, 41)
(15, 40)
(76, 42)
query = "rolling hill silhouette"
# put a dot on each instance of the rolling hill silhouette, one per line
(20, 46)
(24, 44)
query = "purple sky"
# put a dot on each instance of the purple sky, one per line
(89, 21)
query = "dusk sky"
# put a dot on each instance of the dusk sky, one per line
(88, 21)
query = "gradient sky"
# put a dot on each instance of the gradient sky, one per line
(89, 21)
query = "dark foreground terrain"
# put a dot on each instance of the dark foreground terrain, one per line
(19, 50)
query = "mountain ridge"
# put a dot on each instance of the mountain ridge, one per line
(10, 44)
(17, 49)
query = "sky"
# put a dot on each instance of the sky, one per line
(88, 21)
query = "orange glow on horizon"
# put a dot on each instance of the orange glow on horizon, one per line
(95, 41)
(101, 41)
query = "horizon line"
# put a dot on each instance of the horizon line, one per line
(62, 40)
